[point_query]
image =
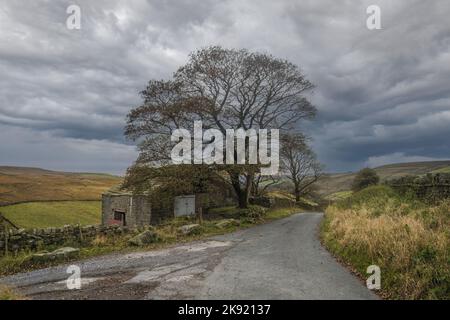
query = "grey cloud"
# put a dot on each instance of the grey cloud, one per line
(379, 93)
(26, 147)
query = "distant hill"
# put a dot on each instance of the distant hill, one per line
(19, 184)
(337, 182)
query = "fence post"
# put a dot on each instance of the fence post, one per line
(81, 232)
(6, 240)
(200, 215)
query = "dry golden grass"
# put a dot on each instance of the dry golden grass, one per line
(409, 241)
(100, 240)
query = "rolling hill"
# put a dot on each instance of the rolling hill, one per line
(41, 188)
(21, 184)
(337, 182)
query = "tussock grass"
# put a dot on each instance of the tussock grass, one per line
(407, 239)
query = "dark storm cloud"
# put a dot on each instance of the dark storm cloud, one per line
(382, 95)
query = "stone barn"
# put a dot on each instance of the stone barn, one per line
(121, 207)
(126, 209)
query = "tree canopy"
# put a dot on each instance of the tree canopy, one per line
(225, 89)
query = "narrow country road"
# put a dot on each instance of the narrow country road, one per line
(279, 260)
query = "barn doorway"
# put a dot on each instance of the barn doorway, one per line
(184, 205)
(120, 217)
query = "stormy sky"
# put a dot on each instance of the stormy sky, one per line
(382, 95)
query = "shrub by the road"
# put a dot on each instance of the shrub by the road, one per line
(406, 238)
(365, 178)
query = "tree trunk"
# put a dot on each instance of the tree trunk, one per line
(243, 200)
(242, 193)
(297, 193)
(255, 189)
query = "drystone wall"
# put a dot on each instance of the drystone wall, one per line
(13, 241)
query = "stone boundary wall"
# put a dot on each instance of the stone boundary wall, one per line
(15, 241)
(431, 187)
(431, 192)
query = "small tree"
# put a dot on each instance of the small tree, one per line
(300, 163)
(364, 178)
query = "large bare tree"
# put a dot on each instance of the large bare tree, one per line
(299, 162)
(225, 89)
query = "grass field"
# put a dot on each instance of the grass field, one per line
(53, 213)
(442, 170)
(339, 195)
(19, 184)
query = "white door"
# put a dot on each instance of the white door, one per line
(184, 205)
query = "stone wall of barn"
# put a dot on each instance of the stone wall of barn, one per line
(136, 208)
